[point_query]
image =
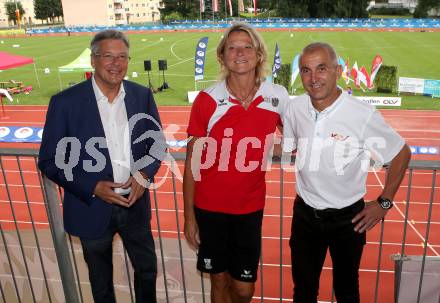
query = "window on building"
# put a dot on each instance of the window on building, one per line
(111, 17)
(144, 14)
(110, 6)
(143, 4)
(127, 9)
(137, 15)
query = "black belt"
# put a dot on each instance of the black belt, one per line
(331, 212)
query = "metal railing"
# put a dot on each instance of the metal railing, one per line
(39, 262)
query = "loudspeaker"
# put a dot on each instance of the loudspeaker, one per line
(162, 64)
(147, 65)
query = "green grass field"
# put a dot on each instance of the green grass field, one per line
(415, 53)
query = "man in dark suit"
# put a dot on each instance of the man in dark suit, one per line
(102, 142)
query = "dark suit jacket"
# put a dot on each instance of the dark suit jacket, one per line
(74, 113)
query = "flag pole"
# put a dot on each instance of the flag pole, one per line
(226, 13)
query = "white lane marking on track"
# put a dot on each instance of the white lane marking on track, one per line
(412, 116)
(409, 223)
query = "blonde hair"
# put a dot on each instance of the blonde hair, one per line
(257, 42)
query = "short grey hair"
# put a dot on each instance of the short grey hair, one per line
(107, 34)
(321, 45)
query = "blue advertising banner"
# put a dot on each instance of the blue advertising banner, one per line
(424, 150)
(431, 87)
(21, 134)
(276, 62)
(27, 134)
(199, 58)
(294, 69)
(390, 24)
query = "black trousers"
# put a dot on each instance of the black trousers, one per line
(138, 241)
(315, 231)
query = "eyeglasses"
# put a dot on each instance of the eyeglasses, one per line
(107, 58)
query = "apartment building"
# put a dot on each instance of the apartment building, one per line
(28, 17)
(110, 12)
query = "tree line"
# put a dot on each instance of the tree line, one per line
(44, 10)
(190, 9)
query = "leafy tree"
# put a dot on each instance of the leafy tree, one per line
(10, 11)
(57, 8)
(40, 10)
(333, 9)
(186, 8)
(424, 6)
(359, 9)
(48, 9)
(266, 4)
(322, 8)
(298, 9)
(172, 16)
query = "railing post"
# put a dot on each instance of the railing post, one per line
(59, 241)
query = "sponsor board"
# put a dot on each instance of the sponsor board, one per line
(27, 134)
(382, 101)
(20, 134)
(424, 150)
(419, 86)
(411, 85)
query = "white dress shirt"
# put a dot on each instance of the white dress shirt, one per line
(115, 122)
(334, 148)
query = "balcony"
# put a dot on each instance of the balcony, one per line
(38, 258)
(118, 1)
(120, 22)
(119, 11)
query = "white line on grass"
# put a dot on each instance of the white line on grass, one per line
(190, 58)
(172, 51)
(152, 44)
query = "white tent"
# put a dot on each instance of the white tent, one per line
(80, 64)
